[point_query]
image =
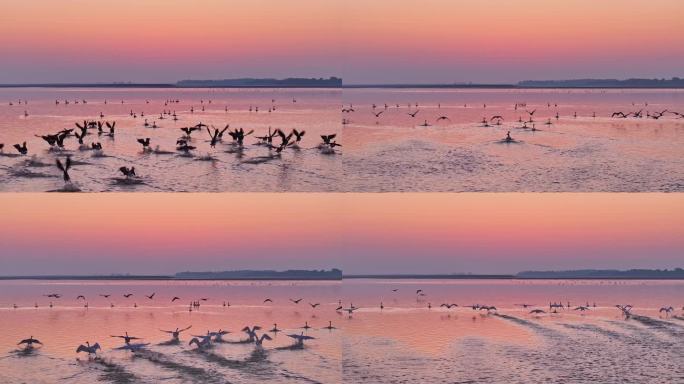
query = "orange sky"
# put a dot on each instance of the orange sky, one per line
(382, 40)
(162, 233)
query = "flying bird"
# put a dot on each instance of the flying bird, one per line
(128, 172)
(64, 168)
(29, 342)
(175, 334)
(90, 349)
(22, 149)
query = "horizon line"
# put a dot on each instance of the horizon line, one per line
(546, 83)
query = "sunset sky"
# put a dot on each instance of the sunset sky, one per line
(360, 233)
(377, 41)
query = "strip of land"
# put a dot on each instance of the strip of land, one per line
(336, 82)
(336, 274)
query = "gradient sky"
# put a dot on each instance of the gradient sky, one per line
(360, 233)
(362, 41)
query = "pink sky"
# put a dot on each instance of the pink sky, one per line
(377, 41)
(360, 233)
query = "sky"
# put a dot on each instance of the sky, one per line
(379, 41)
(360, 233)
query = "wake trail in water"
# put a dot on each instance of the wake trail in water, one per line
(115, 373)
(669, 328)
(187, 371)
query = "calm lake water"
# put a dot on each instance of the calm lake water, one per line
(391, 152)
(411, 339)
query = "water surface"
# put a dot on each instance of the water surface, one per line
(581, 149)
(410, 339)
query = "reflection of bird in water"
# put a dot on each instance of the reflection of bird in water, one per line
(134, 347)
(537, 311)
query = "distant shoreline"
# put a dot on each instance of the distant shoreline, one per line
(347, 86)
(337, 274)
(346, 277)
(338, 83)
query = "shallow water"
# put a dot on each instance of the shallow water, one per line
(405, 342)
(392, 152)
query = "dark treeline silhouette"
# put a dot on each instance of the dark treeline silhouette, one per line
(333, 274)
(674, 82)
(677, 273)
(293, 82)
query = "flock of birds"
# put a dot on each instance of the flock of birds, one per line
(497, 120)
(275, 140)
(207, 340)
